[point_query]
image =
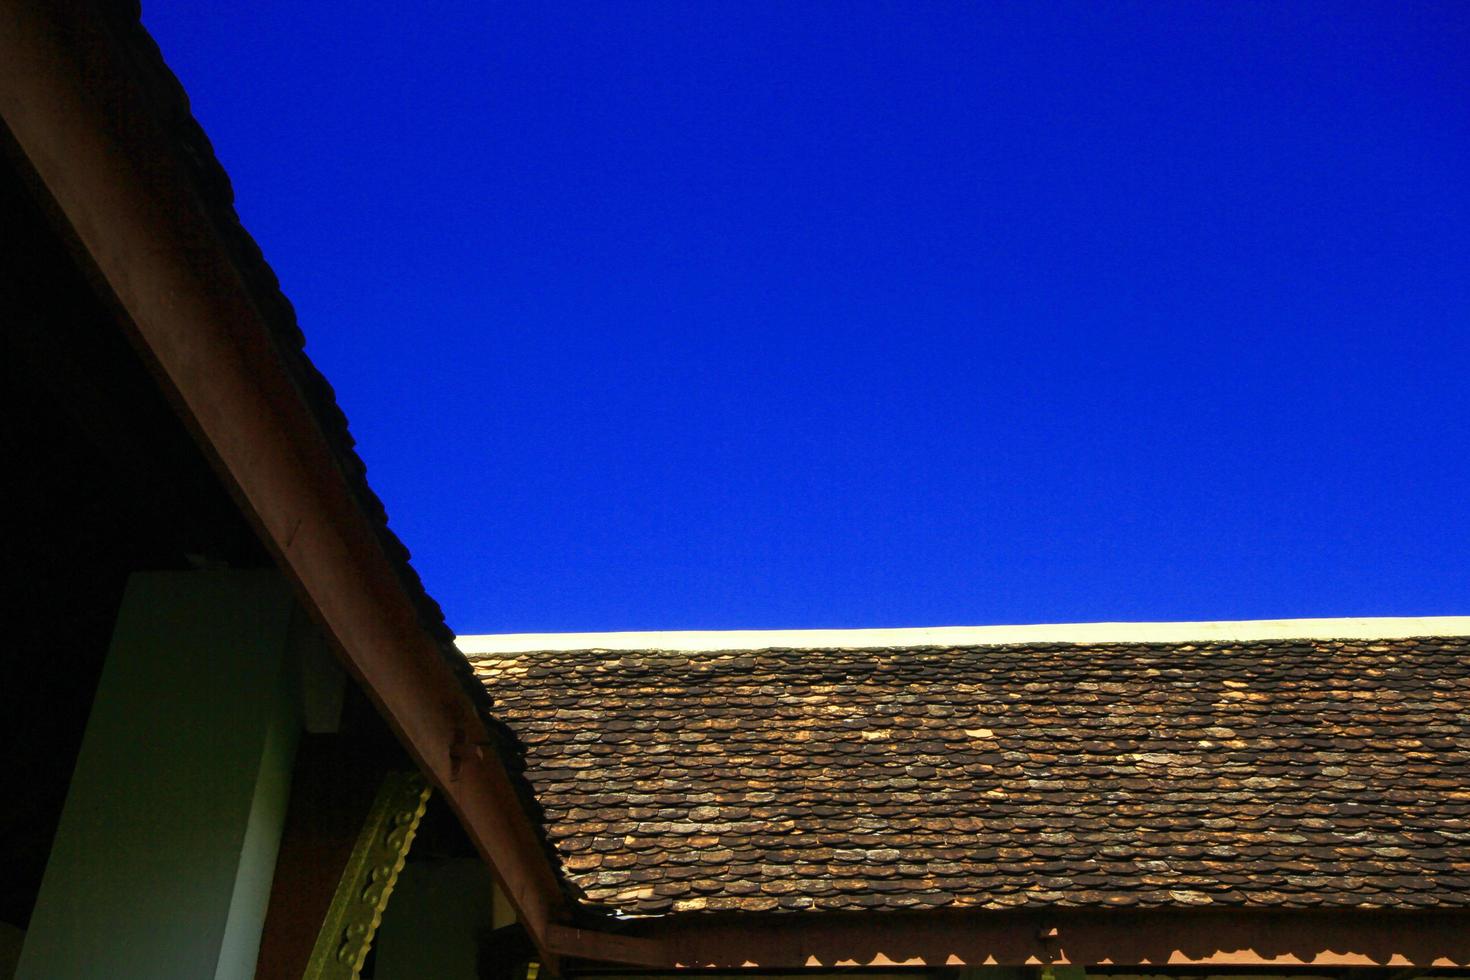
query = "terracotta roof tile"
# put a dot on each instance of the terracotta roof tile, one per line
(1260, 773)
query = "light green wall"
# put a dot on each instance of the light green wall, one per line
(162, 863)
(257, 863)
(435, 915)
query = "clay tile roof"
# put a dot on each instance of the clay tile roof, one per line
(1269, 772)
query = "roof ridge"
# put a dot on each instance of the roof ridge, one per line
(684, 641)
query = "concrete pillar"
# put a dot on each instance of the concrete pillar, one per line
(162, 863)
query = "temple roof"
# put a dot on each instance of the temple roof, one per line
(992, 768)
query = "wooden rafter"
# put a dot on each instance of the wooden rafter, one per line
(84, 115)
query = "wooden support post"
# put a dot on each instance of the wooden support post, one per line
(332, 789)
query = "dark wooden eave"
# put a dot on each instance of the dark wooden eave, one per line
(80, 107)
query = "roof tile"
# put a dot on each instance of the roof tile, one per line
(1289, 773)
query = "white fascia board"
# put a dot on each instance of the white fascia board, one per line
(1382, 628)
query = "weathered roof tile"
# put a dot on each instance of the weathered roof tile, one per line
(1290, 773)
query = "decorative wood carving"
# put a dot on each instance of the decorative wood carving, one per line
(367, 881)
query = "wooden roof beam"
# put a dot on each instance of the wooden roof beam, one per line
(1152, 938)
(75, 101)
(1126, 937)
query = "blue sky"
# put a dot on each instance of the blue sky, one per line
(749, 315)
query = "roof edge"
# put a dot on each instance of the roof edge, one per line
(131, 180)
(1352, 628)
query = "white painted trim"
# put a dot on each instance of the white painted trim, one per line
(1381, 628)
